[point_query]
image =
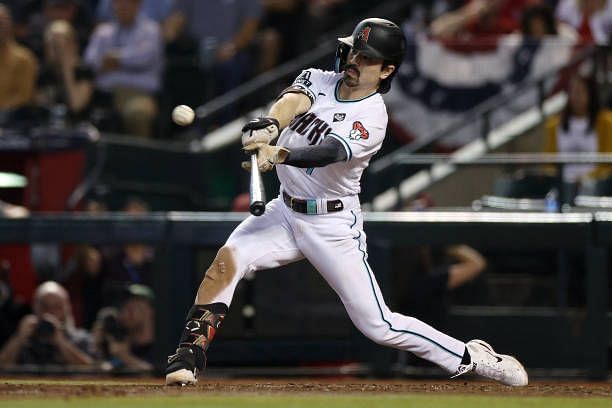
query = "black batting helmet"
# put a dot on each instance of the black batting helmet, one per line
(377, 38)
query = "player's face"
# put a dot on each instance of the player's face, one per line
(364, 72)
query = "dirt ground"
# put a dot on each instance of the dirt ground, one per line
(16, 387)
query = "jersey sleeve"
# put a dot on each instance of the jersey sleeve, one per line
(309, 82)
(361, 137)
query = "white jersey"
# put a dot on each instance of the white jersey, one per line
(359, 125)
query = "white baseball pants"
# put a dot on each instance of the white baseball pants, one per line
(335, 245)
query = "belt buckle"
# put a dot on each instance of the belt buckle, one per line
(291, 202)
(311, 206)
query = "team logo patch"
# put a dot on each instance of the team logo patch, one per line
(339, 117)
(304, 79)
(364, 34)
(358, 132)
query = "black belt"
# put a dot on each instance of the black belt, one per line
(310, 206)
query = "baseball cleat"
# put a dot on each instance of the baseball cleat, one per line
(184, 366)
(487, 363)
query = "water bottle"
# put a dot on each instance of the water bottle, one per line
(551, 201)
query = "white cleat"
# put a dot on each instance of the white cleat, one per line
(183, 366)
(499, 367)
(181, 377)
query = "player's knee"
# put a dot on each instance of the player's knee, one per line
(219, 276)
(223, 268)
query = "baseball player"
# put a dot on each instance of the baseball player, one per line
(332, 124)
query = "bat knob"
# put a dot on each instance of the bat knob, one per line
(257, 208)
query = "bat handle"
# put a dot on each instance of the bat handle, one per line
(257, 204)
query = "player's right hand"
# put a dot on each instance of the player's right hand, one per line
(260, 130)
(267, 156)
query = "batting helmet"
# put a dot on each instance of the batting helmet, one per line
(377, 38)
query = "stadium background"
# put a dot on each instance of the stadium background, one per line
(77, 182)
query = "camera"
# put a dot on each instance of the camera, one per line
(112, 327)
(44, 329)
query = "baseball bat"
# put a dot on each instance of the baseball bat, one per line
(257, 204)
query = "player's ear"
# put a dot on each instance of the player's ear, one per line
(386, 70)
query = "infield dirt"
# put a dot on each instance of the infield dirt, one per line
(43, 388)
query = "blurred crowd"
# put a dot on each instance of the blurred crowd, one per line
(123, 64)
(93, 309)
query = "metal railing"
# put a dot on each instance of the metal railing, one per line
(557, 160)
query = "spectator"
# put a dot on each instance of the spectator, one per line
(48, 336)
(38, 15)
(134, 262)
(35, 16)
(156, 10)
(429, 289)
(279, 42)
(18, 69)
(478, 24)
(11, 309)
(124, 335)
(64, 81)
(591, 18)
(84, 274)
(581, 127)
(223, 31)
(126, 55)
(538, 21)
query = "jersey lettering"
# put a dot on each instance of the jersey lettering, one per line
(300, 124)
(317, 132)
(358, 126)
(311, 126)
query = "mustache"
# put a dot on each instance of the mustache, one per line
(354, 67)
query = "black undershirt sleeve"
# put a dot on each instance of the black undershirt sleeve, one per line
(328, 152)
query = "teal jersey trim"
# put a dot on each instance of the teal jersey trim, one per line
(349, 100)
(349, 152)
(369, 272)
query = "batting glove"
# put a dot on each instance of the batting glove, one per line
(267, 156)
(260, 130)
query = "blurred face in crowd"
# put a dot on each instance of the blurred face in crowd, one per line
(126, 10)
(53, 304)
(364, 72)
(136, 313)
(60, 10)
(536, 28)
(60, 42)
(578, 97)
(6, 25)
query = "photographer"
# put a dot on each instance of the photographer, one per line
(124, 334)
(48, 336)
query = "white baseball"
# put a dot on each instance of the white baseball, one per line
(183, 115)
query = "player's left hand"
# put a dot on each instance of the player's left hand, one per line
(260, 130)
(267, 156)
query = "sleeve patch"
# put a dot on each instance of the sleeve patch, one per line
(303, 79)
(358, 132)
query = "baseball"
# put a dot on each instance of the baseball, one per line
(183, 115)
